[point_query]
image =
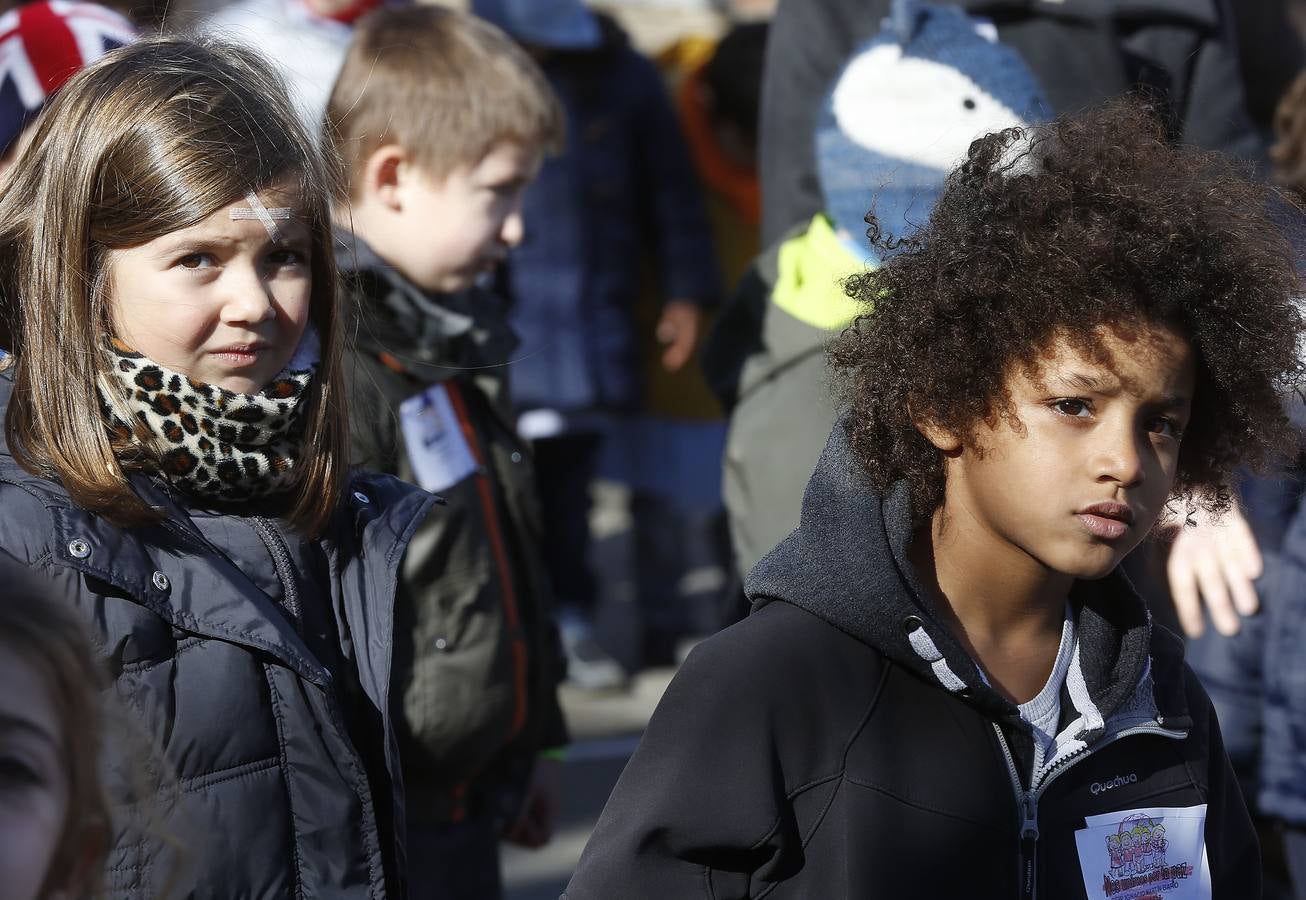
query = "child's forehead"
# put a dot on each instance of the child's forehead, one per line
(508, 157)
(284, 193)
(1142, 358)
(275, 212)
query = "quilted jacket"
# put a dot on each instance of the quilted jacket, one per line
(244, 778)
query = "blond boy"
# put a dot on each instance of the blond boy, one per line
(440, 122)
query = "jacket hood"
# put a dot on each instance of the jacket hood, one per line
(847, 562)
(432, 335)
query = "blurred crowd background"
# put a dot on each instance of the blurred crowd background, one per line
(630, 451)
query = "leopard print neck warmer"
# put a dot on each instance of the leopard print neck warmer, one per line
(209, 442)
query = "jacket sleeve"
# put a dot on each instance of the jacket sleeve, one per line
(25, 535)
(676, 212)
(24, 527)
(374, 441)
(1233, 850)
(553, 723)
(1215, 107)
(808, 43)
(702, 804)
(1192, 62)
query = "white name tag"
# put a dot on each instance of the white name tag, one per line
(1157, 852)
(437, 448)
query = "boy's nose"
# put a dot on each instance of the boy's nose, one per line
(514, 229)
(1120, 458)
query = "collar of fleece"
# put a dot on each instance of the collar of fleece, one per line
(847, 563)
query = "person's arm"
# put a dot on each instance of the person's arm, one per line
(701, 811)
(1233, 850)
(373, 427)
(542, 802)
(807, 45)
(676, 214)
(686, 820)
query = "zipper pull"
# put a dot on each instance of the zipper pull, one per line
(1028, 843)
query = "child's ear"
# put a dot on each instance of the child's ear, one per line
(382, 173)
(942, 438)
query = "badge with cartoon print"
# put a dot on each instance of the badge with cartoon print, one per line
(1158, 853)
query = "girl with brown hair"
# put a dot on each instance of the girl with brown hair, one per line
(176, 456)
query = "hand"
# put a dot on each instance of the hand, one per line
(539, 809)
(1215, 560)
(678, 332)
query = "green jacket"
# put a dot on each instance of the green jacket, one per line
(766, 361)
(478, 673)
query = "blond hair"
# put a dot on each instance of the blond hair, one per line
(443, 85)
(149, 139)
(46, 634)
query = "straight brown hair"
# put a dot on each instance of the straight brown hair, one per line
(149, 139)
(443, 85)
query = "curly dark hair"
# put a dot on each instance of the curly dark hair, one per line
(1056, 231)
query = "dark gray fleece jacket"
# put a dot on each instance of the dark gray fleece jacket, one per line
(840, 743)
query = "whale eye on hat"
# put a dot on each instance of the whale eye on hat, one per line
(43, 44)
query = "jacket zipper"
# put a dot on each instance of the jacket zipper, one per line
(1027, 801)
(490, 507)
(511, 615)
(285, 569)
(280, 553)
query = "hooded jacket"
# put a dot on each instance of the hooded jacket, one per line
(263, 769)
(478, 661)
(839, 742)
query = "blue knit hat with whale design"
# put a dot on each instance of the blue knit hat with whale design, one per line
(904, 110)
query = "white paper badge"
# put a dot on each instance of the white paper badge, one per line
(437, 448)
(1157, 853)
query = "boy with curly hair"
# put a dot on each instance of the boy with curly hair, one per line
(945, 688)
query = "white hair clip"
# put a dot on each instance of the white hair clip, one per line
(267, 216)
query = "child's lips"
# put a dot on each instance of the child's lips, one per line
(1108, 520)
(1102, 527)
(241, 355)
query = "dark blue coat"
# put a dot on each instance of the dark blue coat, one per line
(1260, 675)
(266, 794)
(624, 189)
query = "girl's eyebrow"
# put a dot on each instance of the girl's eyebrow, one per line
(10, 722)
(172, 243)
